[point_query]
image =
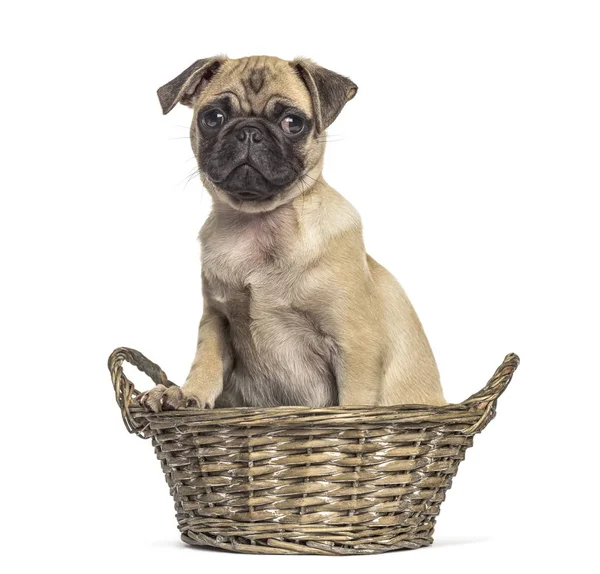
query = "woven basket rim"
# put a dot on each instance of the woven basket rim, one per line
(323, 410)
(300, 410)
(474, 413)
(280, 417)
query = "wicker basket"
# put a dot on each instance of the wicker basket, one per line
(296, 480)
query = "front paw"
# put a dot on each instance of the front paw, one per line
(162, 398)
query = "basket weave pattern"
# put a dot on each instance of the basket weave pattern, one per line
(296, 480)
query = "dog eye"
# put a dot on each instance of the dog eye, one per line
(213, 119)
(292, 125)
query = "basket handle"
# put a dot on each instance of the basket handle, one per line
(485, 400)
(125, 392)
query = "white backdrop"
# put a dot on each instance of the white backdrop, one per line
(477, 123)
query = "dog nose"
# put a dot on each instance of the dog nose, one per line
(249, 133)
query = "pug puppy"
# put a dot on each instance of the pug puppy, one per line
(295, 311)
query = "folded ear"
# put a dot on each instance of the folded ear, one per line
(329, 91)
(185, 87)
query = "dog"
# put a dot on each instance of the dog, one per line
(295, 311)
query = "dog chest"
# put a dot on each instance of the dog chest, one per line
(280, 354)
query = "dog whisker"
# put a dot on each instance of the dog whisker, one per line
(195, 172)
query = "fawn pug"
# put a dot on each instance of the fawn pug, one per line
(295, 311)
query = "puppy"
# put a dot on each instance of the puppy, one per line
(295, 311)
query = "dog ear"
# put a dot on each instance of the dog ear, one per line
(185, 87)
(329, 91)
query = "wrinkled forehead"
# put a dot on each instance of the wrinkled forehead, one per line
(257, 83)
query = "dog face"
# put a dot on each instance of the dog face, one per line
(253, 128)
(256, 124)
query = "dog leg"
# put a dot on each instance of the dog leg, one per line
(205, 380)
(358, 368)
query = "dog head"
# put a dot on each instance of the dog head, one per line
(257, 124)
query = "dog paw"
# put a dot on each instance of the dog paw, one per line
(162, 398)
